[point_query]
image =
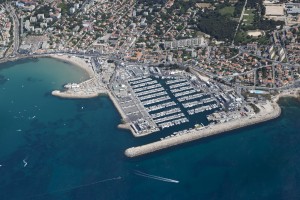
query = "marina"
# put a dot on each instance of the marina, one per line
(202, 109)
(160, 106)
(195, 103)
(271, 111)
(153, 95)
(151, 99)
(150, 91)
(162, 101)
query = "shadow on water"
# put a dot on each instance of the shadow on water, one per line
(48, 94)
(10, 64)
(3, 79)
(33, 80)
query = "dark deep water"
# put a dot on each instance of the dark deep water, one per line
(74, 150)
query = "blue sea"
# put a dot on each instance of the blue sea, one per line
(63, 149)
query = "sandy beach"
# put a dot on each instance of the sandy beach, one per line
(76, 61)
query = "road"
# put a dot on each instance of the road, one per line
(16, 32)
(240, 21)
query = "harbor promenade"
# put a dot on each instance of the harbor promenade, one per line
(124, 125)
(271, 110)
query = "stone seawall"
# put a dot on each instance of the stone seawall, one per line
(74, 95)
(209, 131)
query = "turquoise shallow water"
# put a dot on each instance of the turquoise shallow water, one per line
(74, 150)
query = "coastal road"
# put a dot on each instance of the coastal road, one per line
(16, 25)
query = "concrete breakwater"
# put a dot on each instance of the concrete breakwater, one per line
(71, 95)
(273, 112)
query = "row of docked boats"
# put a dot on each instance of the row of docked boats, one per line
(179, 85)
(166, 112)
(191, 97)
(173, 81)
(173, 122)
(147, 88)
(150, 96)
(200, 102)
(160, 106)
(202, 109)
(184, 93)
(178, 133)
(144, 84)
(168, 118)
(181, 89)
(139, 81)
(151, 91)
(72, 85)
(152, 101)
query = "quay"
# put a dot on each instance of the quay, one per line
(271, 111)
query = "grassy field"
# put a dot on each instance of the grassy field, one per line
(248, 17)
(227, 11)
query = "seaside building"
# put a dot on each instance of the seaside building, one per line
(193, 42)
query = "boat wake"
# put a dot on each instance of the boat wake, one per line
(30, 118)
(159, 178)
(76, 187)
(25, 163)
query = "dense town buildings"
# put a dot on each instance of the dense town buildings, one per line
(147, 32)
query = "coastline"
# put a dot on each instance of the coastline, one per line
(81, 94)
(125, 125)
(270, 113)
(76, 61)
(290, 93)
(74, 96)
(92, 88)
